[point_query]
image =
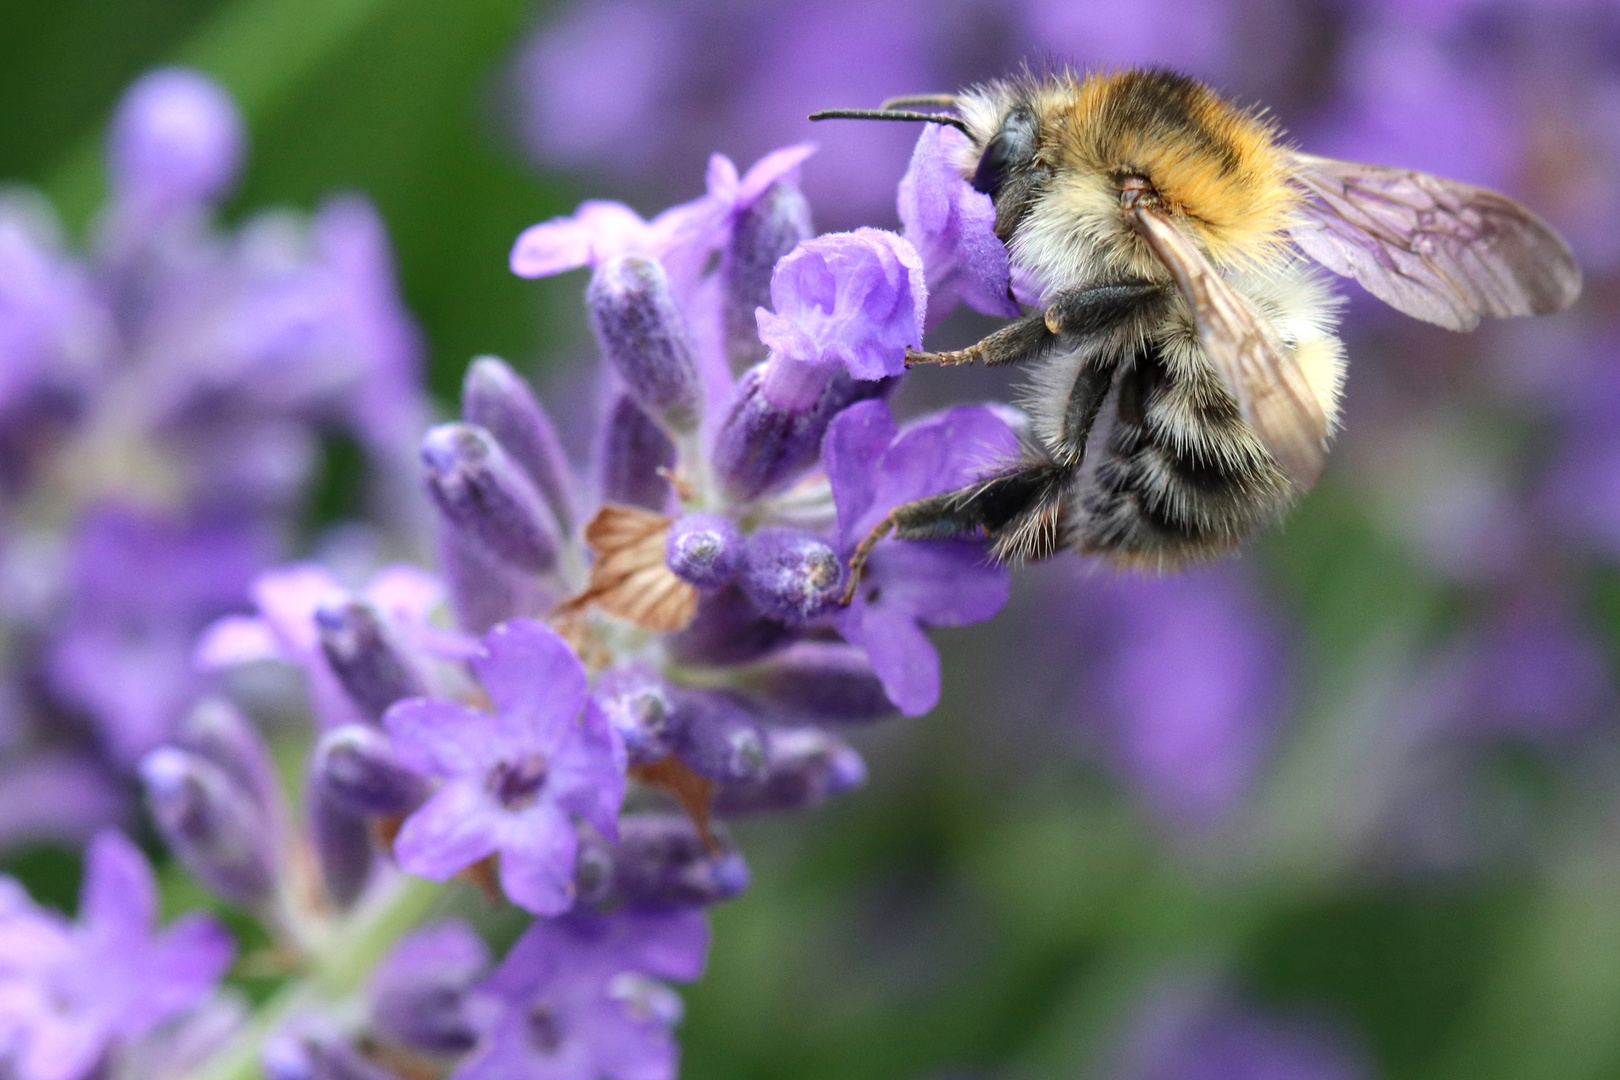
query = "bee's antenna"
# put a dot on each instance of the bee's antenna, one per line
(893, 114)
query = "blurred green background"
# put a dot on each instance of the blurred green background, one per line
(988, 905)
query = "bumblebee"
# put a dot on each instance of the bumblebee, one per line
(1185, 366)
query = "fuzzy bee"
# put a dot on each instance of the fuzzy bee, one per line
(1185, 366)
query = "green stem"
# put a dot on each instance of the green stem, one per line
(354, 948)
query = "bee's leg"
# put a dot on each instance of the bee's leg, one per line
(1076, 312)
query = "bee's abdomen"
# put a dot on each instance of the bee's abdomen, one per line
(1179, 479)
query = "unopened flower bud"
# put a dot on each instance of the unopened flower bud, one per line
(361, 773)
(417, 991)
(763, 446)
(715, 735)
(497, 399)
(216, 730)
(635, 455)
(806, 766)
(212, 824)
(728, 629)
(483, 493)
(371, 671)
(176, 138)
(660, 861)
(485, 590)
(342, 846)
(770, 228)
(705, 549)
(644, 337)
(791, 575)
(639, 706)
(820, 681)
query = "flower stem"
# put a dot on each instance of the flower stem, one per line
(352, 950)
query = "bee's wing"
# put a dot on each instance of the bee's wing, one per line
(1439, 250)
(1271, 391)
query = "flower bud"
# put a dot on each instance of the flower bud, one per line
(638, 705)
(342, 846)
(770, 228)
(705, 549)
(368, 667)
(820, 681)
(176, 138)
(763, 446)
(216, 730)
(728, 629)
(634, 453)
(485, 590)
(715, 736)
(644, 337)
(483, 493)
(806, 766)
(357, 766)
(417, 991)
(497, 399)
(660, 861)
(791, 575)
(211, 823)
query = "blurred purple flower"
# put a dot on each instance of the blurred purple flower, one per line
(952, 226)
(911, 584)
(1190, 684)
(176, 140)
(515, 778)
(71, 993)
(578, 998)
(141, 589)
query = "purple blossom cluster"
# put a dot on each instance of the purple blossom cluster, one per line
(163, 397)
(612, 665)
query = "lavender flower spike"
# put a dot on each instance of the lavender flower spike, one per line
(211, 824)
(644, 337)
(661, 862)
(495, 398)
(807, 765)
(578, 999)
(853, 300)
(482, 492)
(513, 779)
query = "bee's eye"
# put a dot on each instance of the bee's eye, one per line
(1011, 147)
(994, 163)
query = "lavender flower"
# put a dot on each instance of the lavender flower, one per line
(515, 778)
(578, 999)
(418, 991)
(952, 227)
(71, 996)
(911, 584)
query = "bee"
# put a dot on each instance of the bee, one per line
(1185, 365)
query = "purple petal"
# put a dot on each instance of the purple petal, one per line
(937, 454)
(454, 829)
(953, 228)
(776, 165)
(444, 738)
(537, 683)
(673, 945)
(178, 972)
(537, 860)
(598, 230)
(288, 599)
(235, 639)
(587, 775)
(119, 898)
(937, 582)
(900, 652)
(855, 441)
